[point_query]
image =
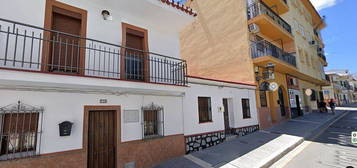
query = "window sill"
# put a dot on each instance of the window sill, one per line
(19, 155)
(152, 137)
(247, 118)
(205, 122)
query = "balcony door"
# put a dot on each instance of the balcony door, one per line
(135, 56)
(65, 49)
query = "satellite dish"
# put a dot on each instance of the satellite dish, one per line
(308, 92)
(273, 86)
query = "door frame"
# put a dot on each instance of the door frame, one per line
(82, 15)
(126, 26)
(282, 101)
(227, 112)
(298, 105)
(117, 129)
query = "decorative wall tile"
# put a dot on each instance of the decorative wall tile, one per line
(199, 142)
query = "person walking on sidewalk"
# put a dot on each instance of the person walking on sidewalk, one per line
(332, 106)
(322, 107)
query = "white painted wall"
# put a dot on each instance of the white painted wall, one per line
(217, 93)
(61, 106)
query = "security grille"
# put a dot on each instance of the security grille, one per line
(20, 131)
(152, 121)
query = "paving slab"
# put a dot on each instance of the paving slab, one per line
(259, 149)
(180, 162)
(231, 150)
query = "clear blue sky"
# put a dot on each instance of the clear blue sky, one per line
(341, 34)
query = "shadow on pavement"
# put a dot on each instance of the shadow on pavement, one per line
(333, 147)
(302, 127)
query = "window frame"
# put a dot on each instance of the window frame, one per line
(135, 30)
(209, 110)
(246, 110)
(20, 124)
(23, 123)
(158, 127)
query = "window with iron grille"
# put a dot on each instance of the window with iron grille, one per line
(246, 108)
(204, 109)
(263, 99)
(20, 131)
(152, 121)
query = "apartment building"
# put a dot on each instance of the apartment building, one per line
(91, 83)
(342, 87)
(306, 25)
(274, 44)
(354, 84)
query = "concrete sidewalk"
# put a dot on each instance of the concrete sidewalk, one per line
(260, 149)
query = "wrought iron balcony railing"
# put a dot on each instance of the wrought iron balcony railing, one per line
(259, 8)
(323, 57)
(264, 48)
(321, 53)
(327, 78)
(32, 48)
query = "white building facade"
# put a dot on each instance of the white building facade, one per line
(341, 87)
(214, 110)
(72, 96)
(93, 83)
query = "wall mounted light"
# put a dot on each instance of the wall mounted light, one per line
(106, 15)
(267, 74)
(269, 71)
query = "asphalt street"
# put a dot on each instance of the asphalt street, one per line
(332, 148)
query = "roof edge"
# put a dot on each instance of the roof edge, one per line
(224, 81)
(180, 7)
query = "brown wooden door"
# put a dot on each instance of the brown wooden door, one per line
(226, 117)
(101, 139)
(64, 54)
(134, 60)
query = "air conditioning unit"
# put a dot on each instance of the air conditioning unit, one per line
(313, 42)
(254, 28)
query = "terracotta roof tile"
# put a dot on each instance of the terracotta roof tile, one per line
(180, 6)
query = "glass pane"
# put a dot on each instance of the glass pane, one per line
(13, 144)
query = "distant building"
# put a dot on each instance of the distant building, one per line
(342, 88)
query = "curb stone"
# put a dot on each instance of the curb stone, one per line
(307, 137)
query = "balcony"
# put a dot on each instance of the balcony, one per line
(266, 49)
(327, 78)
(279, 6)
(29, 48)
(321, 55)
(270, 23)
(318, 38)
(264, 52)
